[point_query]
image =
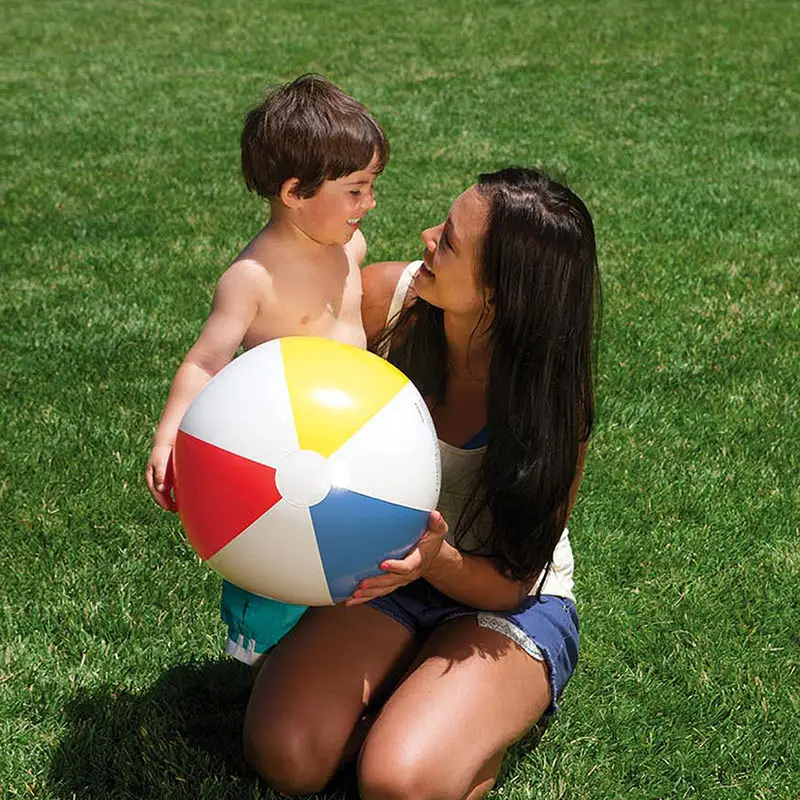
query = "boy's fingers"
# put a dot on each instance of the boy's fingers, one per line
(159, 498)
(168, 471)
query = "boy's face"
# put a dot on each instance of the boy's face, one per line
(333, 214)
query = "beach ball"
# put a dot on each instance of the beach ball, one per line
(302, 465)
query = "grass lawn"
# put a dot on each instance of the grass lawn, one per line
(678, 122)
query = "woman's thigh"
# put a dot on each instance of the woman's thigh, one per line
(442, 733)
(314, 687)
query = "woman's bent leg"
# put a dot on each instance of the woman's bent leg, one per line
(445, 729)
(313, 689)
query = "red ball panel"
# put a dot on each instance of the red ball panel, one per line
(219, 494)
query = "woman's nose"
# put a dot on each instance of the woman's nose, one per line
(430, 237)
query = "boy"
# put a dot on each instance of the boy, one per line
(313, 152)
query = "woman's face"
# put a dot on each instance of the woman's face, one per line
(449, 277)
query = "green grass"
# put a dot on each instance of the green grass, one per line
(676, 121)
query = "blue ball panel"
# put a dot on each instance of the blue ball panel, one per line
(355, 533)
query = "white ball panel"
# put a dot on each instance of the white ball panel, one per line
(277, 556)
(245, 408)
(394, 456)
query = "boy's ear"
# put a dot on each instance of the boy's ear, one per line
(288, 193)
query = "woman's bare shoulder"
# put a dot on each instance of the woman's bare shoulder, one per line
(378, 283)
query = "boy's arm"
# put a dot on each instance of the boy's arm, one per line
(233, 309)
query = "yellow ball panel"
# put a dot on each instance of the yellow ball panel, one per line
(334, 389)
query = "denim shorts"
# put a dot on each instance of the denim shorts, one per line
(545, 627)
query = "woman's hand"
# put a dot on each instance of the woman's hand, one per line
(159, 476)
(398, 573)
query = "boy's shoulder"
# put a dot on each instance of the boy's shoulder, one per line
(255, 262)
(248, 277)
(265, 256)
(356, 248)
(246, 270)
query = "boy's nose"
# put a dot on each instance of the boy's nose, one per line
(370, 201)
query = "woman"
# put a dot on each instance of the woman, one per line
(430, 671)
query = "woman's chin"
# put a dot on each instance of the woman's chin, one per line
(423, 281)
(426, 290)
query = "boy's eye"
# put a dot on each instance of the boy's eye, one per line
(356, 192)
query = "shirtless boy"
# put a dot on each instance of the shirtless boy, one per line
(313, 152)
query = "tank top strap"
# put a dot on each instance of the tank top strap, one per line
(399, 296)
(401, 290)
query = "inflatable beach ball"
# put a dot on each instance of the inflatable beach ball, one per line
(302, 465)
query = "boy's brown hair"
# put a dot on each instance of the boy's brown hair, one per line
(311, 130)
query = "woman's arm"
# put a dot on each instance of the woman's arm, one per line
(472, 580)
(475, 581)
(378, 282)
(576, 481)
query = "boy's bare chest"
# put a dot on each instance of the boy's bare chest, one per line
(327, 305)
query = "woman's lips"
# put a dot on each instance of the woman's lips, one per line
(426, 270)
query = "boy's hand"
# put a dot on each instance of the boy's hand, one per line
(159, 476)
(398, 573)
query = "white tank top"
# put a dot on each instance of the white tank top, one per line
(458, 471)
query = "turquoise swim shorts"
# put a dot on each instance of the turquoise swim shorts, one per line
(255, 624)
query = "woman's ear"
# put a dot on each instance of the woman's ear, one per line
(288, 193)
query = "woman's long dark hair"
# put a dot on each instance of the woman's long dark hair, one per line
(539, 271)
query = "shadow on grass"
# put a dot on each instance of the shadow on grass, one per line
(179, 739)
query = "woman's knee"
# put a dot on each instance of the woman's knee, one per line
(290, 758)
(395, 769)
